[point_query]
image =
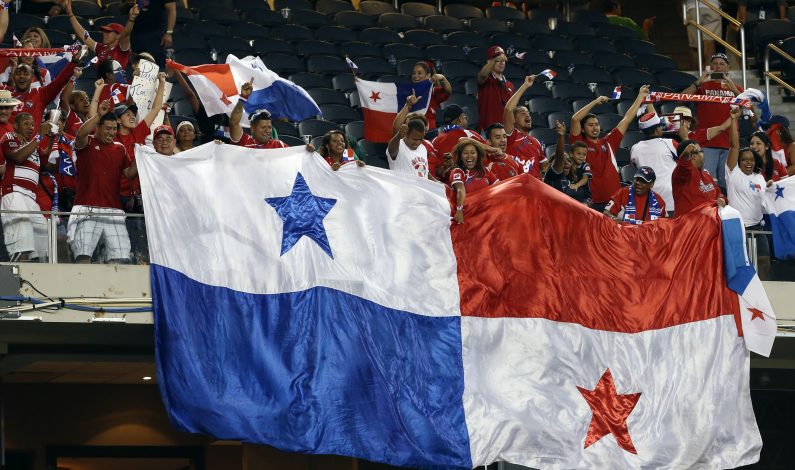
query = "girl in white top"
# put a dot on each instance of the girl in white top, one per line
(745, 187)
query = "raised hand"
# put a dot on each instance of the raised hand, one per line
(644, 91)
(560, 128)
(99, 83)
(77, 73)
(601, 100)
(134, 12)
(736, 112)
(247, 88)
(412, 99)
(103, 108)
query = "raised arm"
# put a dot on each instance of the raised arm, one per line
(66, 94)
(23, 153)
(394, 143)
(632, 112)
(124, 38)
(88, 127)
(400, 119)
(485, 71)
(195, 104)
(53, 89)
(575, 128)
(507, 115)
(235, 129)
(694, 86)
(171, 20)
(98, 86)
(440, 80)
(557, 160)
(80, 32)
(157, 104)
(712, 132)
(734, 150)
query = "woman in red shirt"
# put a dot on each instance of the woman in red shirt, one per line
(442, 89)
(468, 176)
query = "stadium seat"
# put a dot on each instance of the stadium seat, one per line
(655, 62)
(340, 114)
(344, 82)
(335, 34)
(316, 47)
(308, 80)
(327, 96)
(375, 8)
(623, 106)
(374, 153)
(590, 17)
(529, 28)
(622, 156)
(292, 141)
(444, 53)
(545, 105)
(227, 43)
(463, 12)
(275, 46)
(552, 43)
(283, 64)
(544, 14)
(631, 138)
(354, 100)
(567, 58)
(103, 21)
(613, 32)
(611, 61)
(192, 56)
(557, 116)
(463, 100)
(248, 30)
(444, 24)
(315, 127)
(330, 7)
(87, 9)
(60, 23)
(675, 79)
(487, 27)
(627, 172)
(402, 51)
(504, 13)
(292, 32)
(418, 10)
(205, 28)
(309, 18)
(575, 30)
(379, 36)
(357, 49)
(670, 106)
(608, 121)
(87, 85)
(324, 64)
(539, 88)
(265, 18)
(605, 108)
(589, 74)
(389, 79)
(353, 20)
(398, 22)
(59, 37)
(373, 67)
(635, 47)
(634, 77)
(471, 86)
(466, 39)
(405, 67)
(285, 128)
(294, 5)
(511, 41)
(535, 57)
(459, 71)
(548, 137)
(590, 45)
(570, 91)
(422, 38)
(182, 108)
(317, 141)
(218, 14)
(355, 130)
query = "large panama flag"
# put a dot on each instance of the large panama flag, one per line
(340, 313)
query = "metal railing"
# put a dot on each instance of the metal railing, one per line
(769, 74)
(701, 29)
(56, 218)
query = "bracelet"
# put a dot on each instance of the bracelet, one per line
(459, 208)
(169, 31)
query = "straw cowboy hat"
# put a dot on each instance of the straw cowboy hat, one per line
(7, 100)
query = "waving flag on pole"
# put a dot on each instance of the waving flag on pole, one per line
(427, 345)
(780, 204)
(381, 102)
(218, 86)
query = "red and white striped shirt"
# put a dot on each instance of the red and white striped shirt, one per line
(22, 178)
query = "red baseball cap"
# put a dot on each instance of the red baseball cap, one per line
(163, 128)
(112, 28)
(494, 51)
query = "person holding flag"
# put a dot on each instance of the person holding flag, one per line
(423, 71)
(602, 150)
(335, 151)
(115, 87)
(518, 122)
(115, 37)
(494, 89)
(261, 124)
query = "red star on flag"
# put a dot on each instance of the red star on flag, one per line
(225, 99)
(375, 96)
(609, 412)
(755, 313)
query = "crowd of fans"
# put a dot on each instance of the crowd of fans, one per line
(46, 123)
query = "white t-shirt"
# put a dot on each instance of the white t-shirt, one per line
(659, 154)
(746, 194)
(409, 162)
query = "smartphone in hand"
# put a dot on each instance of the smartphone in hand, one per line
(717, 76)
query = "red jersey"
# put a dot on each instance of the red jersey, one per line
(473, 180)
(528, 150)
(601, 156)
(713, 114)
(98, 169)
(492, 96)
(35, 100)
(438, 97)
(105, 52)
(692, 187)
(24, 177)
(249, 142)
(503, 167)
(73, 123)
(620, 200)
(138, 135)
(116, 93)
(449, 137)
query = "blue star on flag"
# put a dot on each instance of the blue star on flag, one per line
(779, 192)
(302, 213)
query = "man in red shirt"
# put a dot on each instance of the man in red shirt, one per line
(25, 234)
(692, 185)
(502, 166)
(261, 125)
(115, 37)
(520, 143)
(715, 82)
(601, 150)
(163, 140)
(101, 160)
(636, 204)
(454, 129)
(494, 90)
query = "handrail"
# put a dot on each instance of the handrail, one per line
(769, 75)
(740, 53)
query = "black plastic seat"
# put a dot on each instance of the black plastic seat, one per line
(87, 10)
(590, 74)
(589, 17)
(462, 11)
(218, 14)
(487, 27)
(467, 39)
(504, 13)
(631, 138)
(292, 32)
(422, 38)
(335, 34)
(308, 80)
(529, 28)
(402, 51)
(605, 108)
(340, 114)
(293, 5)
(570, 91)
(285, 128)
(248, 30)
(192, 56)
(325, 64)
(327, 96)
(344, 82)
(444, 24)
(357, 49)
(309, 18)
(315, 127)
(375, 8)
(445, 53)
(567, 58)
(609, 121)
(552, 43)
(675, 79)
(544, 14)
(612, 61)
(563, 117)
(229, 43)
(635, 47)
(275, 46)
(593, 45)
(548, 137)
(459, 71)
(330, 7)
(373, 67)
(634, 78)
(265, 17)
(544, 105)
(398, 22)
(379, 36)
(613, 32)
(355, 130)
(353, 20)
(284, 64)
(316, 47)
(419, 10)
(655, 62)
(511, 41)
(374, 153)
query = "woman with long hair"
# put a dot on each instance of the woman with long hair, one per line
(334, 149)
(468, 175)
(772, 169)
(425, 70)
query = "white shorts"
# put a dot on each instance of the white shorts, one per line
(709, 20)
(24, 232)
(84, 232)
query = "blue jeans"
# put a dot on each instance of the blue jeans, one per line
(715, 164)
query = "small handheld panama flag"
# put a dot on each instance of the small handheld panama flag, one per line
(616, 93)
(549, 73)
(520, 55)
(351, 64)
(381, 102)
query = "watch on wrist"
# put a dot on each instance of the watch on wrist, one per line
(169, 31)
